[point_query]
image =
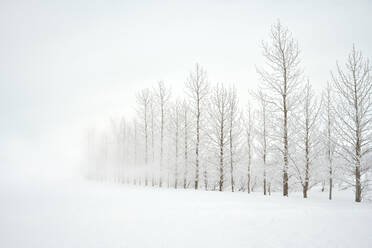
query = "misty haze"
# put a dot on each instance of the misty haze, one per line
(185, 124)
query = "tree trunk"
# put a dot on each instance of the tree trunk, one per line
(231, 160)
(330, 184)
(329, 143)
(249, 166)
(161, 145)
(269, 188)
(304, 191)
(221, 158)
(135, 148)
(197, 144)
(152, 145)
(358, 187)
(307, 153)
(285, 169)
(206, 179)
(146, 147)
(176, 173)
(176, 164)
(249, 181)
(264, 170)
(264, 140)
(185, 154)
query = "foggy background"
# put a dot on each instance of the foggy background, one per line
(69, 65)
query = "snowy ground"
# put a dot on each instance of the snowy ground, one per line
(108, 215)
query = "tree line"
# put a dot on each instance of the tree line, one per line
(285, 136)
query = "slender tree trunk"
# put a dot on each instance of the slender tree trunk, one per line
(263, 102)
(233, 110)
(269, 188)
(168, 179)
(358, 186)
(185, 149)
(231, 159)
(152, 145)
(329, 144)
(205, 179)
(176, 162)
(135, 150)
(307, 167)
(265, 148)
(249, 179)
(221, 168)
(330, 184)
(285, 138)
(221, 156)
(249, 158)
(264, 169)
(161, 144)
(264, 181)
(197, 143)
(330, 175)
(146, 146)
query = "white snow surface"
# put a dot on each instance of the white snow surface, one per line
(89, 214)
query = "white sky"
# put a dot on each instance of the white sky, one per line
(67, 64)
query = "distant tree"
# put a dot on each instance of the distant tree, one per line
(249, 138)
(185, 111)
(152, 127)
(308, 130)
(135, 139)
(163, 95)
(233, 131)
(175, 127)
(219, 126)
(263, 135)
(330, 142)
(143, 99)
(197, 87)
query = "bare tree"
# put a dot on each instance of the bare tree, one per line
(233, 129)
(127, 148)
(262, 130)
(116, 133)
(135, 139)
(197, 86)
(249, 137)
(308, 129)
(163, 95)
(185, 110)
(354, 116)
(121, 147)
(219, 120)
(282, 78)
(175, 127)
(152, 126)
(330, 142)
(143, 99)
